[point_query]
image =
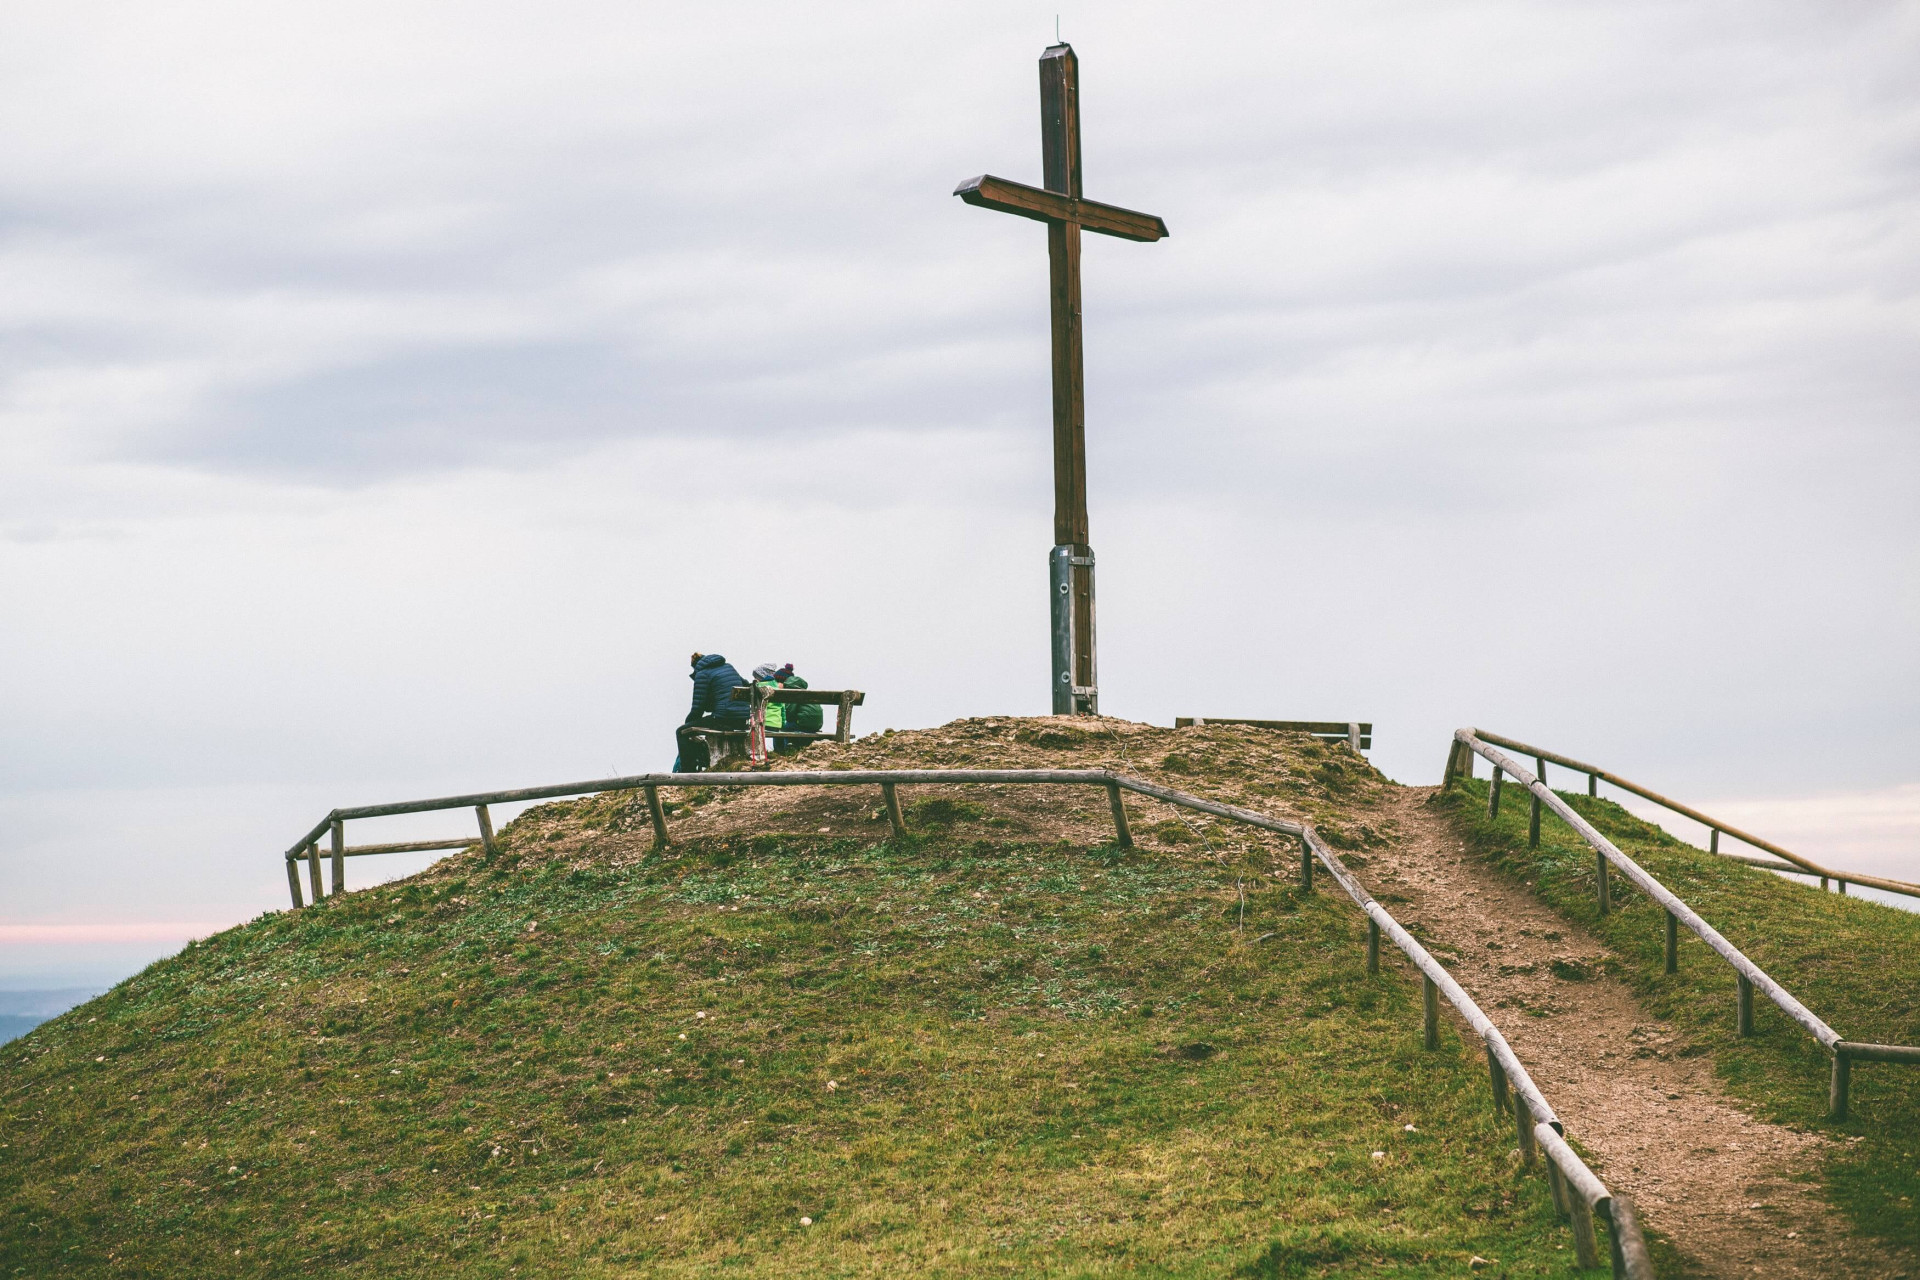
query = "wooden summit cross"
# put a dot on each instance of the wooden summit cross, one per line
(1061, 207)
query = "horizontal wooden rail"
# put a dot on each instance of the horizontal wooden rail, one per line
(404, 846)
(1750, 976)
(1534, 1125)
(1712, 824)
(1879, 1052)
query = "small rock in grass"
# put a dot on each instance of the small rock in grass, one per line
(832, 1085)
(806, 1222)
(1379, 1155)
(1411, 1129)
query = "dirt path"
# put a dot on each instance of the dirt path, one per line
(1726, 1188)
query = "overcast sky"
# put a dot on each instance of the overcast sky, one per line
(392, 395)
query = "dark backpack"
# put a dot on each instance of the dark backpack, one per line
(803, 717)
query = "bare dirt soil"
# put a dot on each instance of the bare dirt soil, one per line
(1732, 1192)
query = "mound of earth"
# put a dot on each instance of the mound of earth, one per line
(790, 1043)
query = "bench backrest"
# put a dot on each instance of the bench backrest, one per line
(825, 697)
(1356, 733)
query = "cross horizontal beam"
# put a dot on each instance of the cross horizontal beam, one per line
(989, 192)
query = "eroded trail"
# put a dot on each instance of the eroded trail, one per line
(1729, 1190)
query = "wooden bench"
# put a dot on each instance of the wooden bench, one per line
(1356, 734)
(750, 743)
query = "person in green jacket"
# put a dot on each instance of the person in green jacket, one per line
(801, 717)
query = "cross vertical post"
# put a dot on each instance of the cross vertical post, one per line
(1076, 686)
(1059, 204)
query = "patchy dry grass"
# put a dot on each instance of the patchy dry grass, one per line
(966, 1053)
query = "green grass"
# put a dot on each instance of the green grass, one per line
(1045, 1060)
(1853, 962)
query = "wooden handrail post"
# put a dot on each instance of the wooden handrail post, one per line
(486, 829)
(1540, 770)
(1122, 834)
(1743, 1003)
(1533, 824)
(1502, 1096)
(1601, 884)
(313, 869)
(1841, 1084)
(1593, 784)
(1581, 1212)
(843, 726)
(339, 856)
(894, 816)
(1493, 793)
(1373, 945)
(1306, 866)
(1557, 1184)
(1713, 841)
(293, 882)
(1673, 943)
(1523, 1130)
(1627, 1243)
(1430, 1020)
(659, 817)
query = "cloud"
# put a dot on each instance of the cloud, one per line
(390, 397)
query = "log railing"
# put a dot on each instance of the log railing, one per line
(1792, 863)
(1748, 976)
(1578, 1192)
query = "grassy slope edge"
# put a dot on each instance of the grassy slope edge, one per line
(1853, 962)
(965, 1053)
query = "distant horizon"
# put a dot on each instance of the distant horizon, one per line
(1872, 833)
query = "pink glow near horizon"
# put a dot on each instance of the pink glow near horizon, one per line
(132, 931)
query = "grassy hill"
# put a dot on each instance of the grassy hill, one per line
(793, 1045)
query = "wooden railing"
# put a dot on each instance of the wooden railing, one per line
(1792, 863)
(1577, 1191)
(1468, 743)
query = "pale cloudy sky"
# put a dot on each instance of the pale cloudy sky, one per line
(391, 395)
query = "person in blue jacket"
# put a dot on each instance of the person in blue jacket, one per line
(714, 681)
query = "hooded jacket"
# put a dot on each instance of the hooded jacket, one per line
(714, 681)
